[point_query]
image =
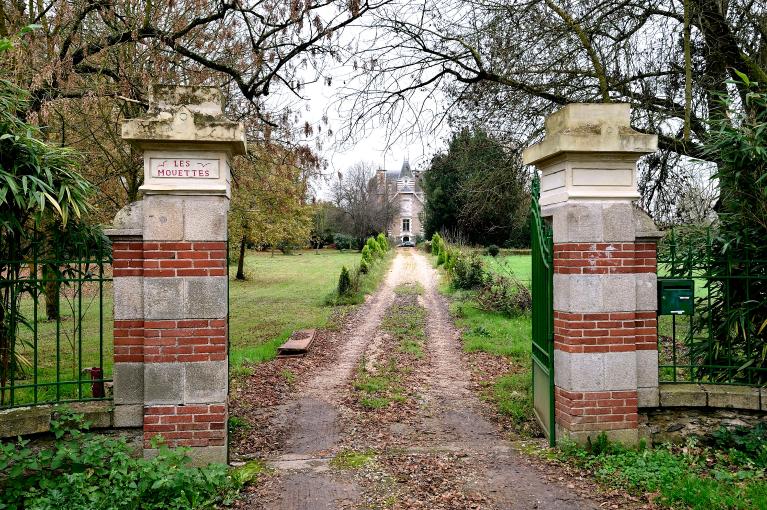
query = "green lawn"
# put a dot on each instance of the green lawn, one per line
(282, 293)
(76, 345)
(518, 265)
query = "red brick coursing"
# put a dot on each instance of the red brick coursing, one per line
(128, 341)
(169, 258)
(604, 258)
(596, 410)
(605, 332)
(186, 425)
(169, 341)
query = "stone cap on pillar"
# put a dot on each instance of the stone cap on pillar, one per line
(182, 114)
(186, 140)
(589, 153)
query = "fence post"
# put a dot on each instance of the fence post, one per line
(605, 336)
(170, 275)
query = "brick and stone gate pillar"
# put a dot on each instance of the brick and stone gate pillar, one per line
(605, 336)
(170, 275)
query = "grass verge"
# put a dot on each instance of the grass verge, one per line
(689, 476)
(284, 293)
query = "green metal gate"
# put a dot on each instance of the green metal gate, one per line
(543, 317)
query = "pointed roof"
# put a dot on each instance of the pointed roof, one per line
(405, 171)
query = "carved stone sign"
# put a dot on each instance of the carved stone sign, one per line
(194, 168)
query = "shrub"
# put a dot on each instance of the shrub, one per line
(427, 246)
(493, 250)
(344, 282)
(441, 257)
(450, 258)
(367, 256)
(504, 294)
(382, 242)
(468, 272)
(374, 247)
(286, 247)
(436, 244)
(344, 242)
(364, 267)
(83, 471)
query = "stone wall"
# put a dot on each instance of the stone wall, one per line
(674, 425)
(690, 409)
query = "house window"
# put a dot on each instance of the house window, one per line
(406, 224)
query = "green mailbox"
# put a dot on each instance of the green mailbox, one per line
(676, 296)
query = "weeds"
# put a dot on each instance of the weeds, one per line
(289, 376)
(84, 470)
(351, 459)
(691, 476)
(406, 321)
(379, 388)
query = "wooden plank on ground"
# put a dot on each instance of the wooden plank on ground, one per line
(298, 343)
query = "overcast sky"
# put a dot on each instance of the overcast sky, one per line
(378, 144)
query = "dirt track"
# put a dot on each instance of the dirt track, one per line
(437, 449)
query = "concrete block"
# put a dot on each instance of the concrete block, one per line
(618, 292)
(200, 456)
(584, 223)
(647, 368)
(682, 395)
(618, 222)
(164, 298)
(562, 370)
(734, 397)
(206, 382)
(620, 370)
(561, 292)
(587, 372)
(205, 218)
(129, 297)
(594, 293)
(646, 291)
(129, 416)
(130, 217)
(205, 297)
(22, 421)
(648, 397)
(163, 383)
(163, 218)
(128, 383)
(627, 437)
(597, 371)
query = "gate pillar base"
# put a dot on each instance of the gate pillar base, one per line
(171, 276)
(604, 288)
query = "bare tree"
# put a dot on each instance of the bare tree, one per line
(509, 63)
(367, 203)
(89, 64)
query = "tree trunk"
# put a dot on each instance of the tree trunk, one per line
(241, 261)
(52, 289)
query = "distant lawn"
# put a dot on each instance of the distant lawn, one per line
(282, 293)
(519, 265)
